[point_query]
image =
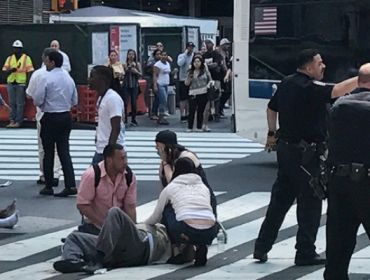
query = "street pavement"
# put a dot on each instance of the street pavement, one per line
(239, 172)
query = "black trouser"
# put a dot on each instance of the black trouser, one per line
(197, 103)
(130, 94)
(55, 129)
(348, 208)
(291, 183)
(226, 93)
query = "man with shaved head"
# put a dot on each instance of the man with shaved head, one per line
(66, 64)
(349, 189)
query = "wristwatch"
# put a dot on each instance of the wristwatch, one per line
(270, 133)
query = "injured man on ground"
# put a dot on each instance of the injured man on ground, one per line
(121, 243)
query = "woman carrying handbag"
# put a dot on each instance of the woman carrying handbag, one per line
(198, 81)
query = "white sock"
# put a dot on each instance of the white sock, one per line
(10, 221)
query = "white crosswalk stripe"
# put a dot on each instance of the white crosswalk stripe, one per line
(19, 154)
(281, 257)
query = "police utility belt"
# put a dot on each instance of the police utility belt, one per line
(356, 171)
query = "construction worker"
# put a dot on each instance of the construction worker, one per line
(18, 68)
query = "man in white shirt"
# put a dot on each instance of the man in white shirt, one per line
(30, 91)
(111, 128)
(55, 96)
(66, 64)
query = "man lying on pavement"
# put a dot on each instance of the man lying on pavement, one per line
(120, 243)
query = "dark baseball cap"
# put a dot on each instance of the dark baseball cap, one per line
(168, 137)
(190, 44)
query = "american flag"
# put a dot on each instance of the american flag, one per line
(265, 20)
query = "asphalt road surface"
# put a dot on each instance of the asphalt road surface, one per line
(239, 172)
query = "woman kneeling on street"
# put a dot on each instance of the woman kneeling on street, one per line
(190, 219)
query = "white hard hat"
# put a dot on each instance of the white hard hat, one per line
(224, 41)
(17, 44)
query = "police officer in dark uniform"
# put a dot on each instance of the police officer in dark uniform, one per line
(349, 188)
(300, 102)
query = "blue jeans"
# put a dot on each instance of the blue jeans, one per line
(17, 97)
(162, 96)
(176, 228)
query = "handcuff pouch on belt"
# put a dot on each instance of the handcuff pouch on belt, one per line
(356, 171)
(314, 164)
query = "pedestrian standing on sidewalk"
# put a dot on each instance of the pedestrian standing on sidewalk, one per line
(110, 129)
(32, 88)
(161, 80)
(18, 68)
(149, 71)
(183, 61)
(118, 72)
(55, 95)
(131, 84)
(198, 80)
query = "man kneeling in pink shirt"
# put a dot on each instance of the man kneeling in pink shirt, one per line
(96, 197)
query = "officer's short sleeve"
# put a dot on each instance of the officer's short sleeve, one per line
(273, 104)
(320, 91)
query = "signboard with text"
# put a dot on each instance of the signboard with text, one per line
(123, 38)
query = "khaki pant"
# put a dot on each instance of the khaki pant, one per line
(57, 165)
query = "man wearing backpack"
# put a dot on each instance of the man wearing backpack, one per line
(107, 184)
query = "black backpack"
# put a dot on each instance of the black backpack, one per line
(97, 171)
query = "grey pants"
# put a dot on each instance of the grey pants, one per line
(17, 97)
(121, 242)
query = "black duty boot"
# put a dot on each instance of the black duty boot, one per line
(69, 266)
(258, 255)
(306, 259)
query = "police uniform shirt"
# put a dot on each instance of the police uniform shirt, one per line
(349, 133)
(301, 104)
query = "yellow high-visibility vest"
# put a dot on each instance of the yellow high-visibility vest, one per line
(23, 65)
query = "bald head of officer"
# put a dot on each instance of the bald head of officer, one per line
(364, 76)
(66, 63)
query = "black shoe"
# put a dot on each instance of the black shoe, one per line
(69, 266)
(66, 192)
(55, 182)
(309, 259)
(46, 191)
(91, 268)
(184, 119)
(134, 123)
(217, 118)
(40, 182)
(258, 255)
(201, 255)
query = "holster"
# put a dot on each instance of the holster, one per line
(356, 171)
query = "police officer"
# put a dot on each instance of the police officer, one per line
(349, 189)
(300, 101)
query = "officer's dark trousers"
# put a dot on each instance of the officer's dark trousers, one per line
(291, 183)
(55, 129)
(348, 207)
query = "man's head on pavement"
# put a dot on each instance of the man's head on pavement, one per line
(100, 78)
(190, 47)
(364, 76)
(53, 60)
(55, 45)
(209, 44)
(309, 62)
(115, 158)
(46, 53)
(17, 47)
(225, 44)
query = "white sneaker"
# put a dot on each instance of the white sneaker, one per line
(206, 128)
(10, 222)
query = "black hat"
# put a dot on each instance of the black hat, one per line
(168, 137)
(190, 44)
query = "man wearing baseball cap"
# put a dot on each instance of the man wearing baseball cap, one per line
(223, 49)
(183, 61)
(18, 68)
